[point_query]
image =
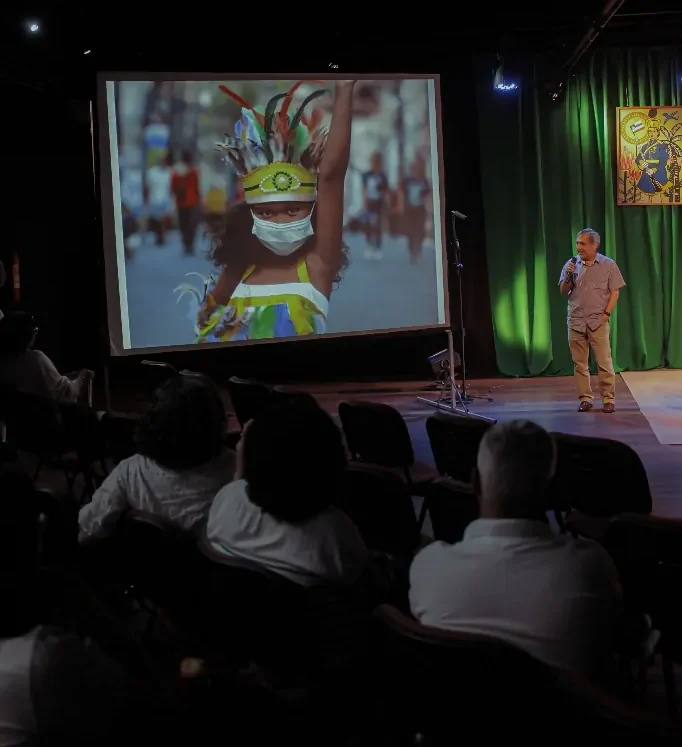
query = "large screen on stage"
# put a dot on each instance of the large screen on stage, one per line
(239, 209)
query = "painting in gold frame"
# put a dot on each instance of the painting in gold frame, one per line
(649, 155)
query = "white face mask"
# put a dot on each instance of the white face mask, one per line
(283, 238)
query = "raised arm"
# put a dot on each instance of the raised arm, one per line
(337, 150)
(331, 178)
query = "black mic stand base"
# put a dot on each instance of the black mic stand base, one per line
(469, 398)
(458, 406)
(456, 403)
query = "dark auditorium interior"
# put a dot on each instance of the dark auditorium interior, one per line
(166, 544)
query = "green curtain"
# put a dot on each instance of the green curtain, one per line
(549, 169)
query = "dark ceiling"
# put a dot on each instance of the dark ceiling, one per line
(129, 36)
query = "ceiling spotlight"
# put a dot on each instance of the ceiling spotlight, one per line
(32, 27)
(502, 82)
(87, 51)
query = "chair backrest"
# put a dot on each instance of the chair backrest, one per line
(258, 615)
(495, 688)
(150, 554)
(435, 671)
(376, 433)
(380, 505)
(452, 506)
(454, 442)
(119, 431)
(249, 398)
(648, 553)
(599, 477)
(153, 375)
(34, 425)
(283, 626)
(599, 713)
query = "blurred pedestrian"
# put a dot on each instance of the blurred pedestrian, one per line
(185, 189)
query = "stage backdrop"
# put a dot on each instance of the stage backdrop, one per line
(550, 169)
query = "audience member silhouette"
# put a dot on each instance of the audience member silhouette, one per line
(279, 512)
(24, 369)
(511, 576)
(55, 687)
(180, 464)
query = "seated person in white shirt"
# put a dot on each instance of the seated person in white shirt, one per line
(511, 577)
(180, 464)
(30, 371)
(55, 687)
(279, 512)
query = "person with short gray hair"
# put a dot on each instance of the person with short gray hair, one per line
(512, 577)
(592, 283)
(516, 462)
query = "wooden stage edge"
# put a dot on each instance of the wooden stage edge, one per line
(550, 402)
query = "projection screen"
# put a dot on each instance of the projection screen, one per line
(239, 209)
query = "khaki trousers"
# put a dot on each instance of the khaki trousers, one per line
(600, 342)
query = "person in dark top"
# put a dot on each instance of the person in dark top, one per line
(414, 196)
(374, 193)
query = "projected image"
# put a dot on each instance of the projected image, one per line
(274, 209)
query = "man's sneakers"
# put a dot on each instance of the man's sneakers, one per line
(609, 407)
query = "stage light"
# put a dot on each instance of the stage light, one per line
(440, 364)
(501, 81)
(87, 51)
(32, 27)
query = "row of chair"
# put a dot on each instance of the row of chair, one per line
(69, 439)
(376, 434)
(425, 681)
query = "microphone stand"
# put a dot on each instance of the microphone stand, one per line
(459, 398)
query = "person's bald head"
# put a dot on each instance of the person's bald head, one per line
(516, 462)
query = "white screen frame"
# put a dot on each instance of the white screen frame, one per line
(112, 230)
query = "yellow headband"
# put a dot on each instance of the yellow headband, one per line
(280, 182)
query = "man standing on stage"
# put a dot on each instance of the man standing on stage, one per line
(592, 283)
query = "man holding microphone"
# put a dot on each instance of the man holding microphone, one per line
(592, 283)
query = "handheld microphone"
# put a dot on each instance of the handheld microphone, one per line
(575, 271)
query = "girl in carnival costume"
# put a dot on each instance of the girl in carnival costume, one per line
(281, 250)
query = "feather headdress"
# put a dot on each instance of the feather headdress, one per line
(277, 153)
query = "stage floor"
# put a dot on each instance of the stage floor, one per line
(551, 402)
